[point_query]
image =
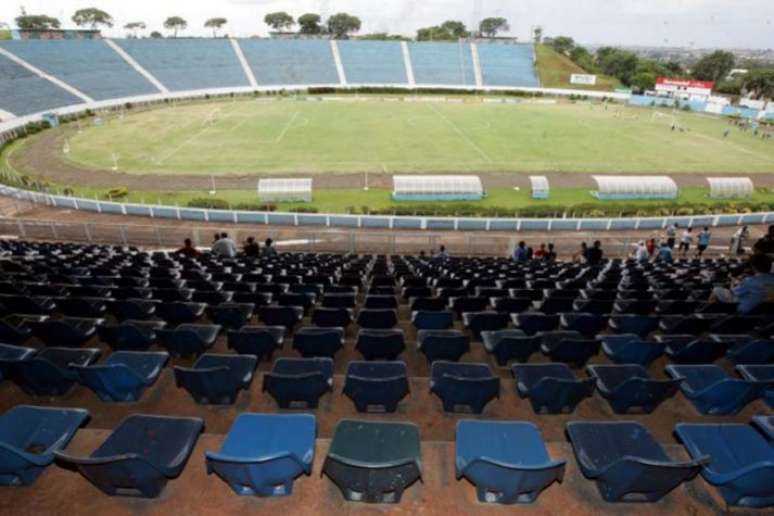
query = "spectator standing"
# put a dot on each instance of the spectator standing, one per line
(665, 253)
(651, 246)
(641, 254)
(704, 241)
(671, 235)
(685, 241)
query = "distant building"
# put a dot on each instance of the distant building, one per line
(684, 89)
(56, 34)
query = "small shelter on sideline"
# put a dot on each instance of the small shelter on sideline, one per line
(437, 188)
(285, 190)
(614, 188)
(730, 187)
(540, 187)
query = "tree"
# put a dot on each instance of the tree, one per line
(450, 30)
(489, 27)
(36, 22)
(309, 23)
(342, 24)
(456, 28)
(215, 24)
(537, 35)
(279, 21)
(134, 28)
(618, 63)
(563, 44)
(92, 17)
(714, 67)
(156, 35)
(644, 81)
(760, 83)
(583, 58)
(175, 23)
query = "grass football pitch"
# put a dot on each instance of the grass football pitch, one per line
(287, 136)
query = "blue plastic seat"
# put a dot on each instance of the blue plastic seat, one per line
(140, 455)
(686, 349)
(510, 305)
(477, 322)
(28, 438)
(339, 300)
(641, 325)
(712, 391)
(377, 319)
(460, 305)
(741, 464)
(232, 315)
(507, 345)
(694, 324)
(217, 379)
(124, 375)
(133, 309)
(568, 347)
(299, 382)
(626, 462)
(15, 329)
(376, 386)
(428, 304)
(287, 316)
(383, 302)
(462, 386)
(585, 323)
(447, 345)
(628, 386)
(260, 341)
(264, 453)
(551, 388)
(373, 462)
(763, 374)
(432, 320)
(70, 332)
(751, 351)
(312, 341)
(130, 335)
(12, 353)
(634, 351)
(188, 339)
(532, 323)
(178, 312)
(381, 344)
(49, 372)
(766, 425)
(332, 317)
(506, 461)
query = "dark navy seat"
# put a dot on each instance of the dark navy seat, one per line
(763, 374)
(82, 307)
(260, 341)
(432, 320)
(299, 381)
(376, 386)
(751, 351)
(287, 316)
(381, 302)
(29, 436)
(15, 329)
(427, 304)
(70, 332)
(462, 386)
(741, 461)
(447, 345)
(507, 345)
(631, 349)
(130, 335)
(694, 324)
(568, 347)
(629, 386)
(13, 353)
(188, 339)
(124, 375)
(585, 323)
(140, 455)
(510, 305)
(766, 425)
(339, 300)
(477, 322)
(381, 344)
(377, 319)
(373, 462)
(641, 325)
(180, 313)
(132, 309)
(216, 379)
(312, 341)
(332, 317)
(460, 305)
(736, 324)
(33, 305)
(532, 323)
(506, 461)
(232, 315)
(264, 453)
(551, 388)
(48, 373)
(712, 391)
(302, 299)
(687, 349)
(626, 462)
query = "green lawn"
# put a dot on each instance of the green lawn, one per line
(265, 137)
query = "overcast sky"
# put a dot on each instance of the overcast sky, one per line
(699, 23)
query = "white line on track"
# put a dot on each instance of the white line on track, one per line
(461, 133)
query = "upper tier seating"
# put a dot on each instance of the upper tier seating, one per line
(373, 62)
(23, 93)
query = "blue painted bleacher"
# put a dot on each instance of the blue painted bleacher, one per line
(89, 66)
(23, 93)
(373, 62)
(442, 64)
(276, 62)
(188, 64)
(507, 65)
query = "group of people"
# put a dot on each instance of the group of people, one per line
(224, 246)
(524, 253)
(665, 249)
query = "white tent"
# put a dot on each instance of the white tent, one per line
(730, 187)
(635, 187)
(285, 190)
(540, 187)
(436, 188)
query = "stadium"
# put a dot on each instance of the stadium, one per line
(462, 272)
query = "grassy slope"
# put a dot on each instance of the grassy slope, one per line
(293, 137)
(555, 70)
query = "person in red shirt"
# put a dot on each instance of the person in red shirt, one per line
(540, 253)
(188, 249)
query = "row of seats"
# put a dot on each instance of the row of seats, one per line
(375, 462)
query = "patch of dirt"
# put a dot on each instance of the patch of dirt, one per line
(42, 157)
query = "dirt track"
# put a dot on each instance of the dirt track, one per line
(42, 157)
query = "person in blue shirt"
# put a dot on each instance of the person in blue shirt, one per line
(665, 253)
(520, 252)
(703, 242)
(752, 290)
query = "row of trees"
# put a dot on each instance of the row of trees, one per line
(339, 25)
(453, 30)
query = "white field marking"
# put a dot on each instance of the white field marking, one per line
(735, 146)
(191, 138)
(287, 127)
(462, 135)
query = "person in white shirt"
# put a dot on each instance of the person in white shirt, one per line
(641, 254)
(685, 241)
(224, 247)
(671, 234)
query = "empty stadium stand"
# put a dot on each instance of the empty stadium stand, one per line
(294, 62)
(507, 65)
(22, 92)
(373, 62)
(442, 64)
